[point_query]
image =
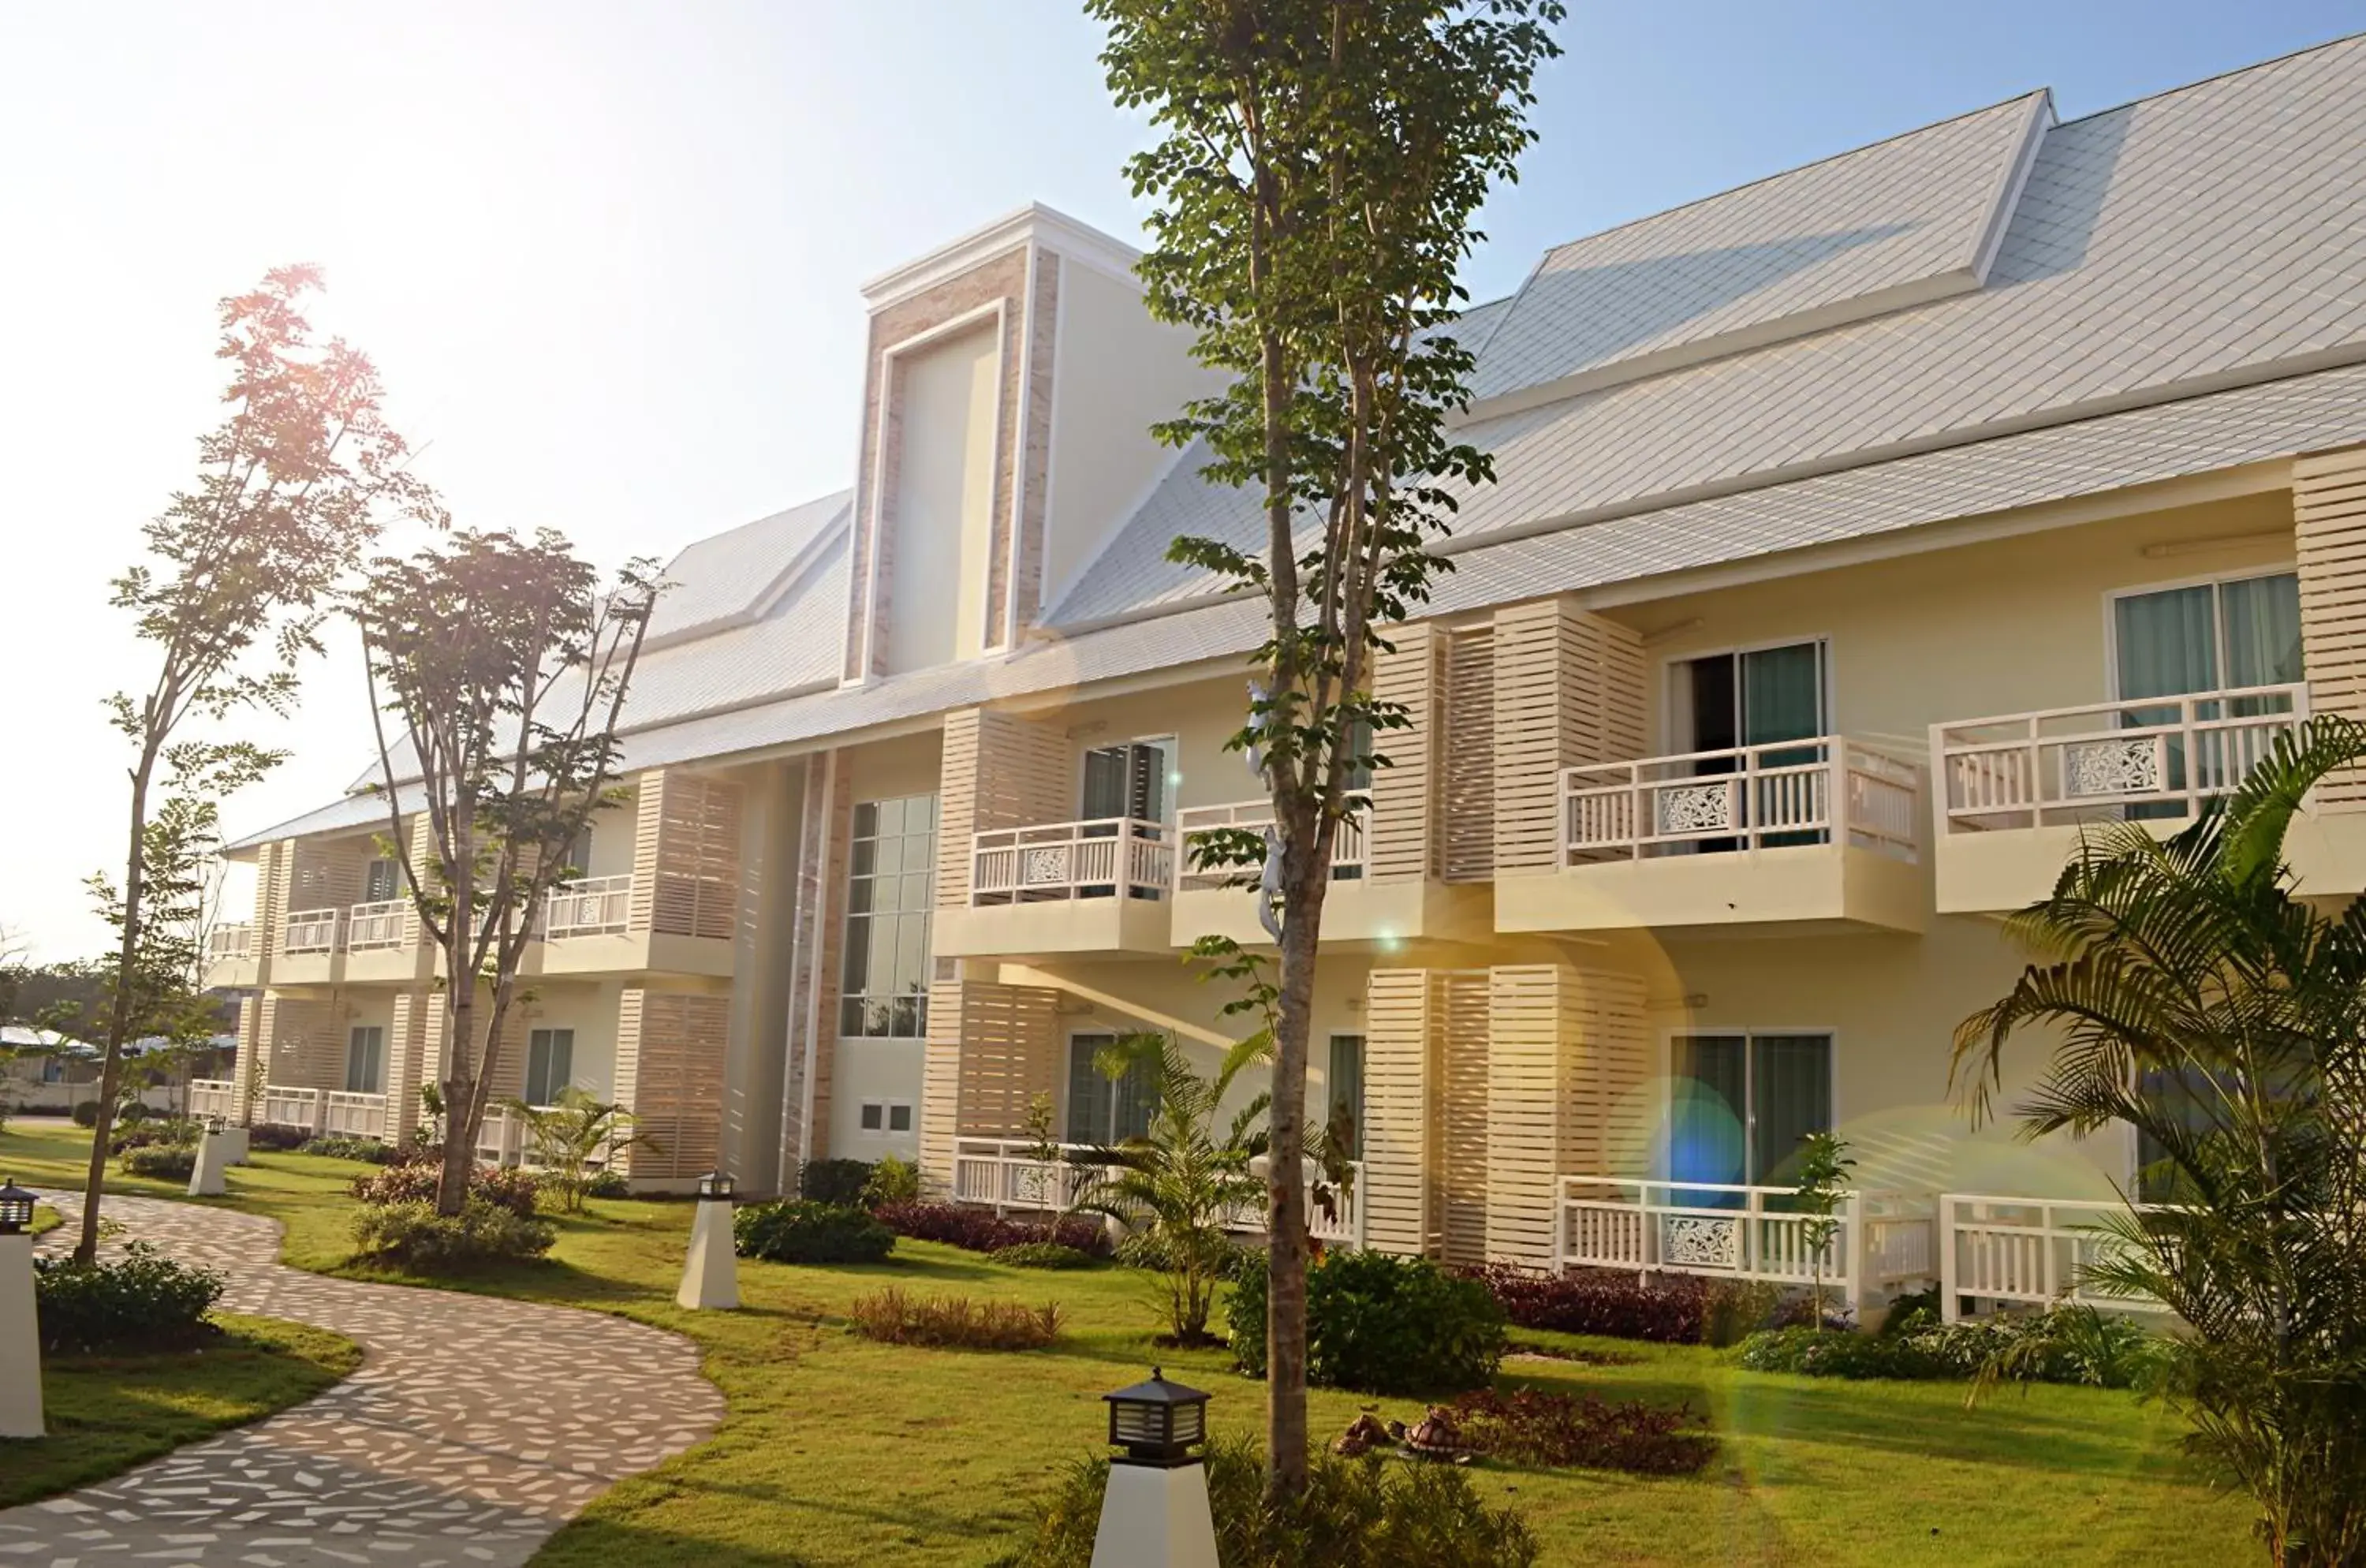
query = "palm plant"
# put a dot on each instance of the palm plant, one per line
(568, 1135)
(1183, 1179)
(2191, 995)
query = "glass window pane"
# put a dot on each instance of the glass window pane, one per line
(1791, 1088)
(1707, 1092)
(1782, 693)
(2166, 643)
(850, 1016)
(2262, 630)
(1346, 1088)
(1088, 1092)
(899, 1118)
(857, 979)
(870, 1116)
(866, 820)
(864, 859)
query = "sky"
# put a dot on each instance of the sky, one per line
(608, 256)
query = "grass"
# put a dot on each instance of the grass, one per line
(840, 1451)
(45, 1220)
(106, 1414)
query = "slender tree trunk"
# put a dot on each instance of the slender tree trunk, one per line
(1286, 1434)
(459, 1093)
(119, 1021)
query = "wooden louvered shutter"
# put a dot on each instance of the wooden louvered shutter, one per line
(669, 1058)
(1569, 690)
(1464, 1134)
(1400, 1135)
(696, 857)
(2329, 534)
(1404, 815)
(1470, 805)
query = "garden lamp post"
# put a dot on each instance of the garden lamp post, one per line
(20, 1337)
(207, 1178)
(1156, 1513)
(710, 1278)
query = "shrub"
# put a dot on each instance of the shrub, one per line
(164, 1162)
(143, 1300)
(892, 1180)
(1152, 1250)
(162, 1130)
(413, 1236)
(1668, 1309)
(1042, 1255)
(277, 1136)
(414, 1181)
(1365, 1513)
(369, 1151)
(131, 1114)
(1532, 1427)
(1810, 1354)
(1383, 1324)
(86, 1114)
(954, 1322)
(803, 1232)
(980, 1230)
(2066, 1345)
(837, 1181)
(607, 1184)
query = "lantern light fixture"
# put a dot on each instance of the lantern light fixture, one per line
(15, 1209)
(1157, 1423)
(714, 1187)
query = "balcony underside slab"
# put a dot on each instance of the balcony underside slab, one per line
(1110, 927)
(2009, 869)
(1357, 915)
(1802, 889)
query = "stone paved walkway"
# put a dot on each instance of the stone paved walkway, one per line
(473, 1429)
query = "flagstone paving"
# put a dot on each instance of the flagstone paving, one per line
(473, 1429)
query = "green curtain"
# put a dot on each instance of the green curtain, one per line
(2262, 630)
(1347, 1085)
(1782, 693)
(1089, 1094)
(365, 1061)
(2168, 644)
(1791, 1094)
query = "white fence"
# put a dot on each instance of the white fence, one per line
(311, 931)
(2024, 1252)
(1003, 1174)
(1794, 792)
(1349, 851)
(595, 906)
(2061, 765)
(213, 1097)
(230, 941)
(1745, 1233)
(376, 925)
(351, 1114)
(1106, 857)
(285, 1107)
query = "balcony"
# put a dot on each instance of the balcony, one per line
(1097, 887)
(215, 1098)
(2025, 1252)
(1357, 910)
(587, 927)
(382, 944)
(1805, 835)
(231, 957)
(309, 951)
(1005, 1174)
(2016, 791)
(1883, 1240)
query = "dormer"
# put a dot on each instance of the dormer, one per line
(1010, 383)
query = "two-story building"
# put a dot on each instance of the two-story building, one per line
(1858, 535)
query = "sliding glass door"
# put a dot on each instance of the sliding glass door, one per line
(1738, 1105)
(2210, 637)
(1759, 697)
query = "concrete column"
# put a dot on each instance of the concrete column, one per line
(213, 1159)
(20, 1342)
(710, 1278)
(1156, 1516)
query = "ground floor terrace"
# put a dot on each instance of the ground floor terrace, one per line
(834, 1450)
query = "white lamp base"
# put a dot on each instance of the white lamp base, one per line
(20, 1343)
(710, 1279)
(236, 1145)
(1156, 1519)
(213, 1159)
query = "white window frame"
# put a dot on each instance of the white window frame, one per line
(1667, 1115)
(525, 1084)
(926, 915)
(2111, 613)
(1829, 697)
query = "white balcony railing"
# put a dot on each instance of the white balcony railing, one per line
(351, 1114)
(213, 1097)
(230, 941)
(311, 931)
(2066, 765)
(1004, 1174)
(595, 906)
(1347, 842)
(377, 925)
(1109, 857)
(2024, 1252)
(285, 1107)
(1746, 1233)
(1747, 797)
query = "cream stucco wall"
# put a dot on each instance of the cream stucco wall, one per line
(943, 499)
(589, 1009)
(1118, 373)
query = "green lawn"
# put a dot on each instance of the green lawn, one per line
(106, 1414)
(836, 1450)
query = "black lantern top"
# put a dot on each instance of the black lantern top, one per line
(15, 1209)
(715, 1184)
(1157, 1423)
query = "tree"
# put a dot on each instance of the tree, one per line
(506, 664)
(2190, 995)
(1184, 1178)
(1821, 1179)
(1318, 168)
(292, 487)
(568, 1134)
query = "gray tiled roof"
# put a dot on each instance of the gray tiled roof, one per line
(730, 577)
(2174, 245)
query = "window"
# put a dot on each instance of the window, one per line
(891, 881)
(2207, 638)
(381, 881)
(579, 857)
(1757, 697)
(53, 1070)
(1740, 1104)
(1101, 1111)
(1134, 780)
(366, 1060)
(1346, 1090)
(890, 1115)
(550, 1064)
